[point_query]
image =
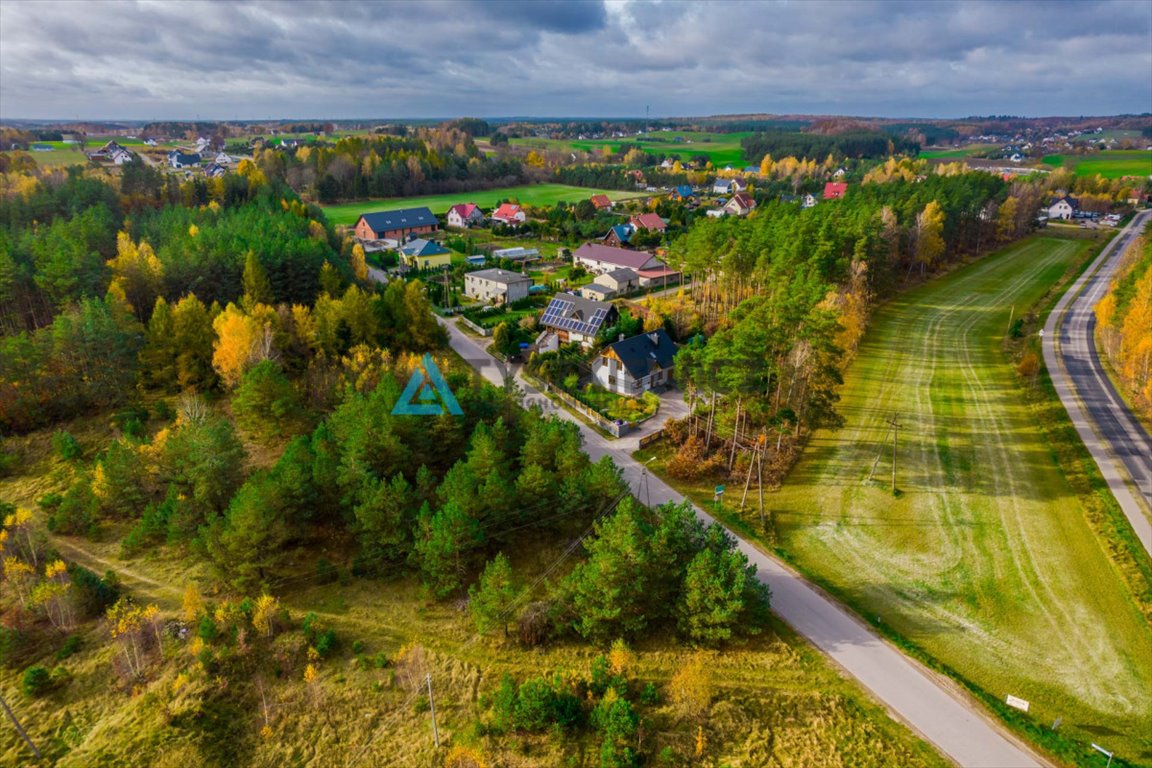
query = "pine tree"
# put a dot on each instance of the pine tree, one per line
(447, 548)
(158, 357)
(257, 287)
(492, 598)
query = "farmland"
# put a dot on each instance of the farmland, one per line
(985, 560)
(528, 194)
(720, 148)
(937, 153)
(1110, 164)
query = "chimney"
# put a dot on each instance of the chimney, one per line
(654, 338)
(620, 338)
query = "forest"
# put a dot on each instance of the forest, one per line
(853, 144)
(1124, 323)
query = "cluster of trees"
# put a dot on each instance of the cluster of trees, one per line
(853, 143)
(1124, 322)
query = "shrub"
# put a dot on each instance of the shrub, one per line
(93, 594)
(71, 646)
(650, 695)
(65, 446)
(207, 630)
(77, 511)
(50, 502)
(36, 681)
(535, 703)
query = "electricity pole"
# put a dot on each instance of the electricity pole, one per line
(432, 708)
(20, 728)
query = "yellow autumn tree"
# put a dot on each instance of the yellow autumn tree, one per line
(193, 604)
(137, 272)
(929, 235)
(359, 263)
(1006, 219)
(264, 615)
(690, 690)
(237, 341)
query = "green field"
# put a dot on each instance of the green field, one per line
(721, 148)
(936, 153)
(1111, 164)
(63, 155)
(985, 559)
(528, 194)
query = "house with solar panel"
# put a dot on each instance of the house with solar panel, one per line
(572, 319)
(637, 364)
(396, 225)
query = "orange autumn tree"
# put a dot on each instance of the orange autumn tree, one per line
(1124, 324)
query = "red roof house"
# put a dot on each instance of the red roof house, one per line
(509, 214)
(649, 221)
(834, 190)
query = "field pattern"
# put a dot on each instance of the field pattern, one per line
(527, 194)
(985, 559)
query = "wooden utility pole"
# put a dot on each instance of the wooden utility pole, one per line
(20, 729)
(432, 709)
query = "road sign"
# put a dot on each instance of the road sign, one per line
(719, 490)
(1019, 704)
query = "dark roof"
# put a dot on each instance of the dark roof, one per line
(623, 273)
(1070, 200)
(186, 159)
(421, 247)
(406, 218)
(645, 352)
(623, 232)
(569, 312)
(500, 276)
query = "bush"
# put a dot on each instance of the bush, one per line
(535, 704)
(162, 410)
(208, 631)
(50, 502)
(36, 681)
(77, 511)
(65, 446)
(93, 594)
(71, 646)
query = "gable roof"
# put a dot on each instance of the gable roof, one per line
(743, 200)
(645, 352)
(183, 158)
(465, 210)
(422, 247)
(506, 211)
(623, 232)
(649, 221)
(405, 218)
(621, 275)
(569, 312)
(616, 256)
(1072, 202)
(834, 190)
(601, 201)
(684, 190)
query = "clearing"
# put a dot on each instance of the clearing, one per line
(526, 194)
(985, 559)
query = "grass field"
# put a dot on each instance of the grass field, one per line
(985, 559)
(1111, 164)
(721, 148)
(528, 194)
(956, 154)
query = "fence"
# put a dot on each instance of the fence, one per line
(611, 427)
(477, 328)
(649, 439)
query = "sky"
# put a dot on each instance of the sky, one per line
(169, 59)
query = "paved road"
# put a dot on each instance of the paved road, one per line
(1117, 441)
(930, 705)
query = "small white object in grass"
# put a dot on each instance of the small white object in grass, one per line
(1017, 703)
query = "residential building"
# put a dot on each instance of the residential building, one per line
(683, 193)
(834, 190)
(741, 204)
(509, 214)
(463, 215)
(425, 254)
(178, 159)
(396, 225)
(496, 286)
(808, 200)
(648, 221)
(1063, 208)
(214, 170)
(620, 281)
(599, 258)
(728, 186)
(601, 202)
(637, 364)
(618, 235)
(572, 319)
(595, 292)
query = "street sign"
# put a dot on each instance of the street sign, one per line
(1016, 703)
(719, 490)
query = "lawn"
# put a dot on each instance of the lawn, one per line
(721, 148)
(985, 560)
(527, 194)
(1111, 164)
(618, 407)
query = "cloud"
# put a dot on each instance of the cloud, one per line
(162, 59)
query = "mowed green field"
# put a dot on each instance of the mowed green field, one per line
(985, 560)
(527, 194)
(936, 153)
(1111, 164)
(721, 148)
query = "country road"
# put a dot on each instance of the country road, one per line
(930, 705)
(1118, 442)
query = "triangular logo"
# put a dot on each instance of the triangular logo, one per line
(427, 394)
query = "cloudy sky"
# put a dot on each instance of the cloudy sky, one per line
(156, 59)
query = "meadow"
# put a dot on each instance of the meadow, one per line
(721, 148)
(527, 194)
(1111, 164)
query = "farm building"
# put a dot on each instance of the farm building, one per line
(496, 286)
(571, 319)
(396, 225)
(637, 364)
(741, 204)
(509, 214)
(463, 215)
(834, 190)
(425, 254)
(1063, 208)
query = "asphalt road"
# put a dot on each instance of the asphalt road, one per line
(929, 704)
(1118, 442)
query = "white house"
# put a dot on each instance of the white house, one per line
(619, 281)
(572, 319)
(728, 186)
(463, 215)
(496, 286)
(637, 364)
(741, 204)
(808, 201)
(1063, 208)
(509, 214)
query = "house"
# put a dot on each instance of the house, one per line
(516, 254)
(834, 190)
(425, 254)
(598, 259)
(464, 215)
(648, 221)
(715, 213)
(214, 170)
(509, 214)
(1063, 208)
(637, 364)
(595, 292)
(396, 225)
(728, 186)
(741, 204)
(601, 202)
(808, 201)
(682, 193)
(618, 235)
(667, 163)
(752, 170)
(572, 319)
(202, 144)
(496, 286)
(178, 159)
(620, 281)
(149, 142)
(223, 158)
(840, 173)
